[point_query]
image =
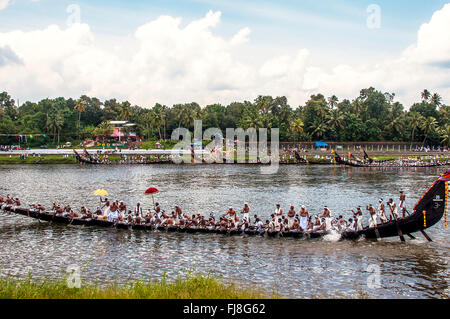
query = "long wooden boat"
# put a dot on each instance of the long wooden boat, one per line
(51, 217)
(426, 213)
(386, 163)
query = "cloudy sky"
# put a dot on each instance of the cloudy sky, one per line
(176, 51)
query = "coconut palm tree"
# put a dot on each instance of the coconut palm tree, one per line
(333, 101)
(425, 95)
(335, 120)
(436, 99)
(296, 127)
(104, 130)
(54, 123)
(445, 135)
(428, 126)
(80, 106)
(415, 122)
(319, 128)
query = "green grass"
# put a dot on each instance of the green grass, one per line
(47, 159)
(190, 287)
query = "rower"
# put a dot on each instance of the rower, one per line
(259, 225)
(341, 224)
(232, 214)
(138, 210)
(245, 211)
(402, 204)
(278, 210)
(351, 225)
(381, 211)
(373, 216)
(113, 215)
(358, 217)
(393, 214)
(327, 216)
(291, 217)
(303, 218)
(178, 211)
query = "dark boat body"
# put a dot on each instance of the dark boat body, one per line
(386, 163)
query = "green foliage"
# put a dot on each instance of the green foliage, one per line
(188, 287)
(372, 116)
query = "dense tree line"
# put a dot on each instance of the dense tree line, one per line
(372, 116)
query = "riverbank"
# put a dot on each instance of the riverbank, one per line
(323, 158)
(191, 287)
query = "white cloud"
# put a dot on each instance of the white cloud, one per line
(3, 4)
(169, 63)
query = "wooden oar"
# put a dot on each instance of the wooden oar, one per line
(421, 230)
(399, 231)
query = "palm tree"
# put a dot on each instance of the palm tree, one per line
(428, 126)
(333, 101)
(445, 135)
(415, 122)
(335, 120)
(319, 128)
(297, 127)
(104, 129)
(425, 95)
(126, 113)
(396, 126)
(436, 99)
(54, 123)
(80, 106)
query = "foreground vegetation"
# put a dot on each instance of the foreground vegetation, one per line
(371, 116)
(191, 287)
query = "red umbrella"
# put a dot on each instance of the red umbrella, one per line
(151, 191)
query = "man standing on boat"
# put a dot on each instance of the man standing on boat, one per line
(381, 212)
(245, 211)
(291, 217)
(358, 217)
(373, 216)
(327, 216)
(304, 220)
(393, 214)
(402, 203)
(278, 210)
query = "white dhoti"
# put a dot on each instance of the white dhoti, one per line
(328, 223)
(373, 220)
(246, 217)
(304, 222)
(382, 216)
(290, 222)
(359, 225)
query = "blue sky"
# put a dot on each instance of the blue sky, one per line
(285, 23)
(333, 32)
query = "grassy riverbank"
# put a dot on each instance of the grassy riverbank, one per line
(191, 287)
(47, 159)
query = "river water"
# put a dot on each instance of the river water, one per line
(296, 268)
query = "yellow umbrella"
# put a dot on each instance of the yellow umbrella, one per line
(101, 192)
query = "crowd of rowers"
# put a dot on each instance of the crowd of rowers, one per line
(301, 221)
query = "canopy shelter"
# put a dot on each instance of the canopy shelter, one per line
(319, 145)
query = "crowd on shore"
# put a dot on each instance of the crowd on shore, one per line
(279, 221)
